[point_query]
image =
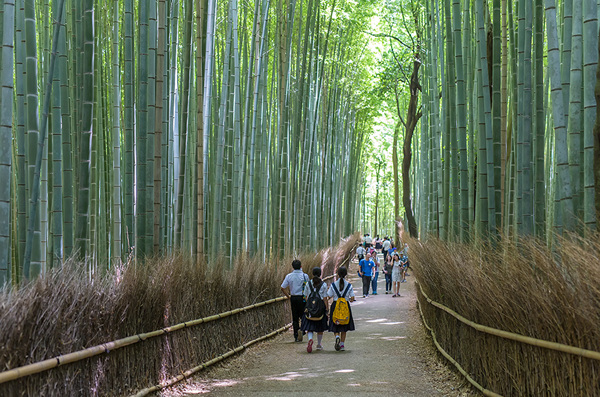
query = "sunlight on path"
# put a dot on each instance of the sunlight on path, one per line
(384, 356)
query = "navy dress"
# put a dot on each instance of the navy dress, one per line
(314, 326)
(333, 327)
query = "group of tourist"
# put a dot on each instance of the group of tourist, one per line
(309, 297)
(394, 267)
(303, 292)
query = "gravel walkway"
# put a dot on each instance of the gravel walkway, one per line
(390, 353)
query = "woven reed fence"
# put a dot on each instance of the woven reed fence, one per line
(516, 320)
(67, 311)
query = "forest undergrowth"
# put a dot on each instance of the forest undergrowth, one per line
(69, 310)
(523, 287)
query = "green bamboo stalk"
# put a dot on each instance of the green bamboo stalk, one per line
(590, 62)
(57, 188)
(20, 121)
(461, 119)
(575, 112)
(82, 238)
(42, 136)
(32, 256)
(6, 115)
(141, 135)
(563, 216)
(128, 126)
(116, 239)
(183, 123)
(152, 217)
(489, 147)
(67, 160)
(540, 123)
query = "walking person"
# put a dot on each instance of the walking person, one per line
(316, 285)
(366, 272)
(375, 271)
(360, 252)
(387, 244)
(368, 240)
(292, 287)
(403, 267)
(396, 274)
(387, 271)
(338, 290)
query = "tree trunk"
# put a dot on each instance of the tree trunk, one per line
(412, 118)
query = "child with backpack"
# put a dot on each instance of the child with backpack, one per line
(341, 320)
(315, 311)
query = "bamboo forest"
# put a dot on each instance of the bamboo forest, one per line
(152, 149)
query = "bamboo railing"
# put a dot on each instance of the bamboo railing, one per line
(30, 369)
(500, 333)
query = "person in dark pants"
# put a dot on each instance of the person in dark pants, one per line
(366, 272)
(292, 287)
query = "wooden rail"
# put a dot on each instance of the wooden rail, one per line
(41, 366)
(578, 351)
(207, 364)
(80, 355)
(500, 333)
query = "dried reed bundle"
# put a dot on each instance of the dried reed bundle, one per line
(69, 310)
(521, 287)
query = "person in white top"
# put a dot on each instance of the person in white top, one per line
(368, 239)
(387, 244)
(361, 252)
(341, 288)
(319, 326)
(292, 287)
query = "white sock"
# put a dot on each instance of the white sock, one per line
(319, 339)
(310, 335)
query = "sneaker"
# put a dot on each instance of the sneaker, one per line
(337, 343)
(319, 347)
(299, 339)
(374, 293)
(364, 296)
(309, 347)
(342, 348)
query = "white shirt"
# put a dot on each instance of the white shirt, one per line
(361, 251)
(368, 240)
(349, 294)
(387, 245)
(322, 291)
(294, 281)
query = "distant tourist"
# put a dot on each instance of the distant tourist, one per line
(366, 272)
(403, 267)
(387, 244)
(396, 274)
(387, 271)
(360, 252)
(341, 289)
(292, 287)
(375, 276)
(377, 243)
(368, 240)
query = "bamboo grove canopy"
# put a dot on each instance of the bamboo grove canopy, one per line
(205, 126)
(508, 142)
(218, 127)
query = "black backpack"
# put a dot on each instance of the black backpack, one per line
(315, 307)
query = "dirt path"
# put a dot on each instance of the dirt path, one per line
(390, 353)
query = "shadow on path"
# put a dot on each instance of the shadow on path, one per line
(388, 354)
